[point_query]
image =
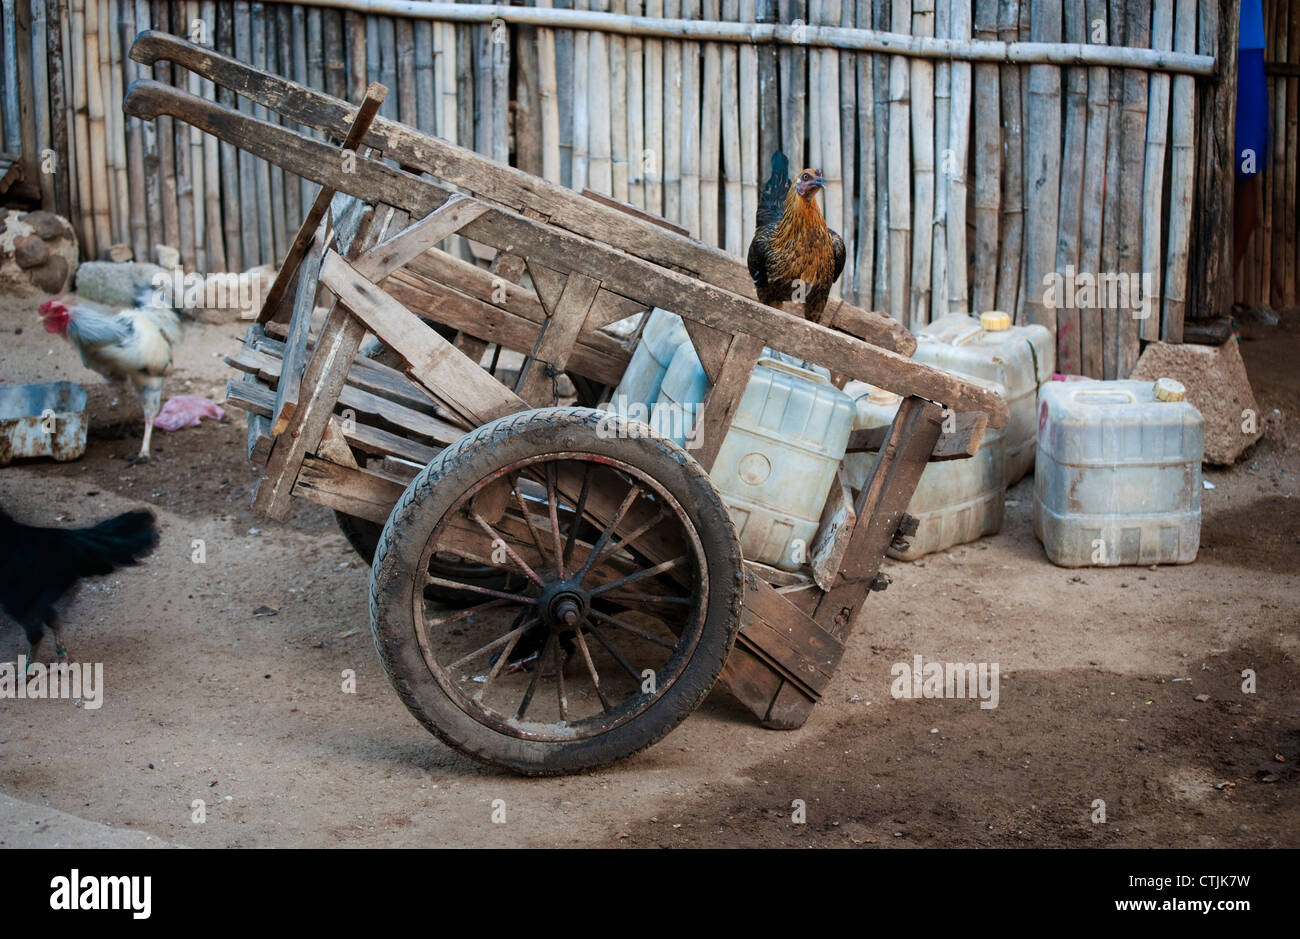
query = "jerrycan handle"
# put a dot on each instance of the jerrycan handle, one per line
(807, 374)
(1109, 395)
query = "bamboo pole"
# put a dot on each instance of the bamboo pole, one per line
(959, 141)
(291, 28)
(900, 172)
(793, 61)
(500, 93)
(195, 138)
(354, 28)
(1132, 156)
(832, 154)
(251, 230)
(787, 34)
(448, 121)
(750, 104)
(710, 134)
(1025, 31)
(769, 93)
(945, 167)
(1162, 37)
(98, 161)
(138, 222)
(864, 267)
(9, 106)
(564, 74)
(404, 38)
(527, 104)
(335, 63)
(652, 154)
(38, 45)
(733, 213)
(619, 117)
(988, 164)
(672, 121)
(1111, 209)
(1069, 347)
(270, 177)
(425, 100)
(884, 214)
(79, 127)
(1012, 223)
(115, 24)
(581, 106)
(56, 25)
(550, 111)
(314, 56)
(599, 165)
(690, 126)
(922, 84)
(635, 64)
(231, 217)
(1091, 330)
(813, 100)
(1042, 167)
(1181, 170)
(848, 134)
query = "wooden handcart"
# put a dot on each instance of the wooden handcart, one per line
(553, 587)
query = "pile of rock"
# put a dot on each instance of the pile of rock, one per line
(38, 252)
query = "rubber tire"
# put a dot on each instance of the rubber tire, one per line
(436, 489)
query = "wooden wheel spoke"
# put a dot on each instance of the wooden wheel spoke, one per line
(464, 614)
(577, 514)
(646, 598)
(435, 580)
(626, 542)
(648, 572)
(555, 520)
(608, 532)
(528, 516)
(501, 660)
(649, 637)
(511, 637)
(591, 668)
(559, 680)
(532, 685)
(514, 555)
(613, 650)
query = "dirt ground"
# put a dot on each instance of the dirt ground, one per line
(1100, 669)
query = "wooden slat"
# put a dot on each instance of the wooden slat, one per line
(354, 492)
(724, 398)
(567, 311)
(295, 344)
(298, 249)
(418, 238)
(432, 360)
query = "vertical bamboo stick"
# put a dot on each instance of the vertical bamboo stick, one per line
(404, 40)
(38, 47)
(388, 65)
(769, 94)
(249, 204)
(653, 157)
(751, 107)
(315, 55)
(581, 104)
(56, 25)
(922, 82)
(793, 61)
(1042, 167)
(9, 106)
(672, 120)
(213, 234)
(527, 103)
(881, 18)
(1026, 33)
(467, 92)
(864, 268)
(424, 99)
(1011, 243)
(635, 64)
(813, 100)
(1133, 123)
(1181, 169)
(354, 29)
(599, 168)
(232, 226)
(500, 93)
(335, 65)
(848, 132)
(988, 164)
(690, 126)
(1069, 348)
(959, 142)
(79, 128)
(710, 133)
(564, 75)
(832, 154)
(1153, 183)
(899, 264)
(98, 164)
(1111, 210)
(272, 236)
(138, 222)
(547, 91)
(197, 182)
(448, 122)
(733, 207)
(1091, 332)
(292, 29)
(116, 23)
(945, 167)
(619, 104)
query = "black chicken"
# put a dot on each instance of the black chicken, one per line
(794, 254)
(39, 565)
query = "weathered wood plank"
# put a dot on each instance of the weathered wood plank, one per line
(567, 312)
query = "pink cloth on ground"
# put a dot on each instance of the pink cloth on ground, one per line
(186, 411)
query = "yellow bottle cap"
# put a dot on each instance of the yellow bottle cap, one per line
(995, 321)
(1166, 389)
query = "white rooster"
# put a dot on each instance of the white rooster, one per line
(133, 346)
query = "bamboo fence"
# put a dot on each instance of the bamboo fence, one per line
(974, 150)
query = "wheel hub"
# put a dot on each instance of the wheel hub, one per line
(564, 604)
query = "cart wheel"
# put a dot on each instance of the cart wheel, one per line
(625, 619)
(363, 535)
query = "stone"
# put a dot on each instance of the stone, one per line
(167, 256)
(52, 276)
(1217, 385)
(47, 225)
(30, 251)
(120, 252)
(230, 297)
(117, 285)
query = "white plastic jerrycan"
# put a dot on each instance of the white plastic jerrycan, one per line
(1020, 358)
(1118, 477)
(664, 332)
